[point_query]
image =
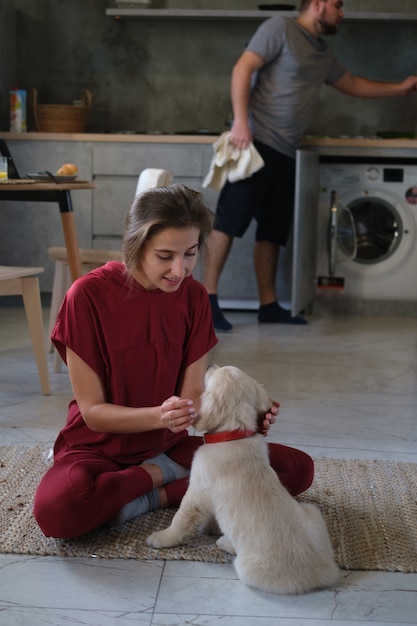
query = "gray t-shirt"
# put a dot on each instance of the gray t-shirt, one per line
(287, 87)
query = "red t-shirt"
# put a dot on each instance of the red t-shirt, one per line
(138, 342)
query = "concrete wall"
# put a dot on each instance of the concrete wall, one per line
(8, 58)
(173, 75)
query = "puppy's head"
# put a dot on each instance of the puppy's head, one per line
(231, 400)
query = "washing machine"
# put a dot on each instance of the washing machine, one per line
(367, 228)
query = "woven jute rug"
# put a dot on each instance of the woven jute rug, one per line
(370, 508)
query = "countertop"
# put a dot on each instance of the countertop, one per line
(364, 142)
(363, 147)
(324, 145)
(112, 137)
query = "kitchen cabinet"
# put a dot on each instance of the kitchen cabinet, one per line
(116, 168)
(114, 162)
(303, 249)
(114, 165)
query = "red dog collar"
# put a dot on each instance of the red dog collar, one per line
(229, 435)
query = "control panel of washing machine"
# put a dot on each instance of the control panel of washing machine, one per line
(400, 175)
(347, 175)
(385, 174)
(393, 175)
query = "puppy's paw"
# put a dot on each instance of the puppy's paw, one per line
(161, 539)
(225, 544)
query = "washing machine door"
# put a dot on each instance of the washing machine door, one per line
(378, 229)
(341, 236)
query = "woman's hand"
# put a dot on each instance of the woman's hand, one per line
(266, 421)
(177, 414)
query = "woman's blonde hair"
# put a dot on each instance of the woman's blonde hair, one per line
(175, 206)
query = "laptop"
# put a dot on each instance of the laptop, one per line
(4, 151)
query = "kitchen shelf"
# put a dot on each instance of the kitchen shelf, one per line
(218, 14)
(193, 14)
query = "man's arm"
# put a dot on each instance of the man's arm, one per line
(364, 88)
(248, 63)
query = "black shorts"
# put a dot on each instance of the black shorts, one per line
(267, 196)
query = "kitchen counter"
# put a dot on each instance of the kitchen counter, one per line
(112, 137)
(364, 142)
(364, 147)
(114, 161)
(325, 145)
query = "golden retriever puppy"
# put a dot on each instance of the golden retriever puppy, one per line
(281, 545)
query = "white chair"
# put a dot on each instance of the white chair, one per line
(23, 281)
(91, 258)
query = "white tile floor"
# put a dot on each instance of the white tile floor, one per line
(347, 388)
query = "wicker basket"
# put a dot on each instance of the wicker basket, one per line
(61, 118)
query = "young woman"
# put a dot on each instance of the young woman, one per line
(136, 338)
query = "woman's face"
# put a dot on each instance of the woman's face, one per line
(167, 258)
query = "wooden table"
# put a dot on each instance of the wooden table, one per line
(51, 192)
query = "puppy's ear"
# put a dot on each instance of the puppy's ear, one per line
(263, 403)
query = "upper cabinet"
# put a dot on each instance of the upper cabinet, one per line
(221, 14)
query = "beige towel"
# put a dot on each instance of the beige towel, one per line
(231, 163)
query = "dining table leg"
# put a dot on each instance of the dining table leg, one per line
(70, 234)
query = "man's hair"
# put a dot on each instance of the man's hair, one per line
(304, 4)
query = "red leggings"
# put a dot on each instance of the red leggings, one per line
(84, 490)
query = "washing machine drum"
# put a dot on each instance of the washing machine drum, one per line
(378, 229)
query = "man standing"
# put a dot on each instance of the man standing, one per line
(275, 85)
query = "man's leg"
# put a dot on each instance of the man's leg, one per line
(265, 258)
(218, 247)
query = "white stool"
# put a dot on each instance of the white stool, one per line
(23, 281)
(152, 177)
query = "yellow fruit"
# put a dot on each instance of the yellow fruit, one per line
(68, 169)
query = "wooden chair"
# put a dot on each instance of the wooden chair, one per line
(91, 258)
(23, 281)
